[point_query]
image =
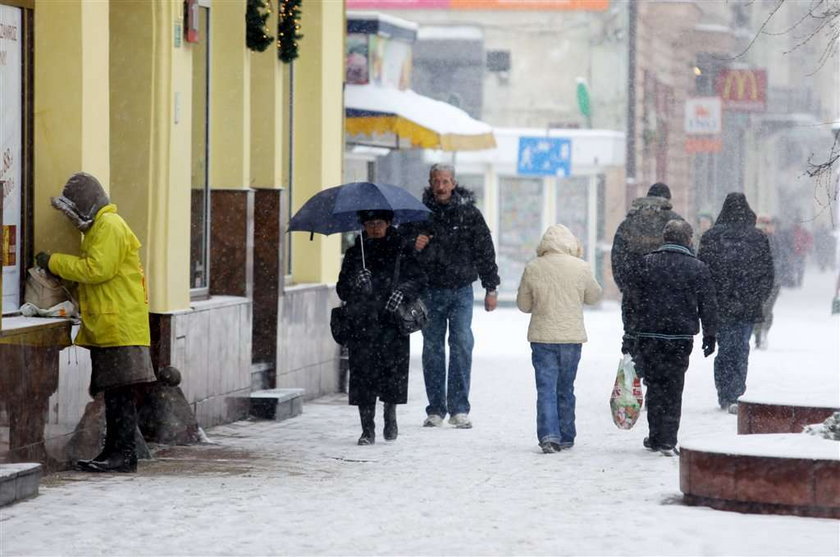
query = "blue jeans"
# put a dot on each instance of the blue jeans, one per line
(555, 368)
(733, 340)
(452, 308)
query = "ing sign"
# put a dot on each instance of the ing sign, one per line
(743, 90)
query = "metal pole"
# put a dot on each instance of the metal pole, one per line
(630, 139)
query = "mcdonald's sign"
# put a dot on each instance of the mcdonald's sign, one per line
(743, 90)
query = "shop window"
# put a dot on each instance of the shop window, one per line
(200, 186)
(15, 150)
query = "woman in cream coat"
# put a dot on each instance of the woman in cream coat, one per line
(553, 289)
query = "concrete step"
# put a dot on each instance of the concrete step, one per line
(277, 404)
(19, 481)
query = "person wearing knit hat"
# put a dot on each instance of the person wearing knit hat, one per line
(639, 234)
(114, 309)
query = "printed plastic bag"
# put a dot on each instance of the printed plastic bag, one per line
(626, 400)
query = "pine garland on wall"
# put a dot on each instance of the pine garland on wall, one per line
(256, 31)
(288, 29)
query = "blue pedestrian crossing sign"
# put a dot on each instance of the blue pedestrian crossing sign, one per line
(544, 156)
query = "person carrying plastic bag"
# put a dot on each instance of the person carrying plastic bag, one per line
(676, 294)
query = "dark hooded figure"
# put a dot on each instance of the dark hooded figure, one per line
(378, 272)
(676, 295)
(638, 234)
(739, 258)
(115, 312)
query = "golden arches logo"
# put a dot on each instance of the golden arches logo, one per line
(740, 79)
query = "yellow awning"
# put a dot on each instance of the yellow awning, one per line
(422, 121)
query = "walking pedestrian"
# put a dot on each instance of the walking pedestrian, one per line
(741, 264)
(373, 286)
(638, 234)
(553, 289)
(676, 295)
(115, 313)
(761, 329)
(455, 248)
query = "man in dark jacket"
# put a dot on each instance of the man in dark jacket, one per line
(675, 294)
(739, 258)
(639, 234)
(455, 248)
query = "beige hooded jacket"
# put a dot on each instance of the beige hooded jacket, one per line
(554, 288)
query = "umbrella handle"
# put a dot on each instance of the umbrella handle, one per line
(362, 243)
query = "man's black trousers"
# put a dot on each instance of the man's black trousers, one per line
(665, 363)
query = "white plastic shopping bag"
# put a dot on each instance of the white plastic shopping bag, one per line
(626, 400)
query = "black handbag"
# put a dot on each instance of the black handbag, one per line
(340, 325)
(410, 315)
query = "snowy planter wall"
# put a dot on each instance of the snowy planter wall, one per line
(786, 411)
(765, 474)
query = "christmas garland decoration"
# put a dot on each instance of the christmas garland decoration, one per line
(256, 32)
(288, 29)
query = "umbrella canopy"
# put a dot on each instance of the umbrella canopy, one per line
(334, 209)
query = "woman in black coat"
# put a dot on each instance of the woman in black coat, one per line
(379, 353)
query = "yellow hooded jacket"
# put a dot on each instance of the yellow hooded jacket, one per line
(112, 287)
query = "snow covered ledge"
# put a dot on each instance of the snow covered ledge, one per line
(785, 411)
(781, 473)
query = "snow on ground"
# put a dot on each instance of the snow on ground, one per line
(303, 487)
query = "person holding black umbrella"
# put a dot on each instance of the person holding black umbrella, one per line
(379, 272)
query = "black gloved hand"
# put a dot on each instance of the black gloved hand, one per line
(708, 345)
(42, 260)
(363, 281)
(394, 301)
(628, 344)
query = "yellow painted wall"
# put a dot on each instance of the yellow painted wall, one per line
(149, 151)
(71, 109)
(268, 115)
(230, 84)
(318, 132)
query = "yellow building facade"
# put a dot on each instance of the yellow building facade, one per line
(206, 147)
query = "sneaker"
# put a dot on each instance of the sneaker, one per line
(548, 447)
(733, 408)
(433, 420)
(564, 445)
(460, 421)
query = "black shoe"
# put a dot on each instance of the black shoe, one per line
(124, 462)
(647, 444)
(548, 447)
(669, 451)
(390, 430)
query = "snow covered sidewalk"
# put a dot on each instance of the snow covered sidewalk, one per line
(303, 487)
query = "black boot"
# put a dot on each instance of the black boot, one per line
(125, 461)
(390, 429)
(366, 414)
(119, 454)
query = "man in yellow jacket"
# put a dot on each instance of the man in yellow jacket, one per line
(115, 312)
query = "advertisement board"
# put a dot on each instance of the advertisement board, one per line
(703, 116)
(11, 90)
(742, 90)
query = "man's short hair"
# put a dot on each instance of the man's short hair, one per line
(677, 232)
(440, 167)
